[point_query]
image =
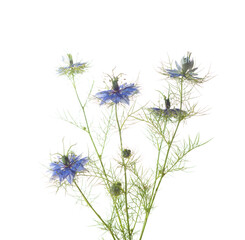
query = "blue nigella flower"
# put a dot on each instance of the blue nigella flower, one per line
(67, 167)
(118, 94)
(72, 68)
(184, 69)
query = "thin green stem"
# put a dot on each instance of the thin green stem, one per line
(96, 213)
(158, 185)
(107, 131)
(125, 171)
(89, 132)
(181, 93)
(94, 145)
(158, 159)
(119, 219)
(138, 214)
(165, 162)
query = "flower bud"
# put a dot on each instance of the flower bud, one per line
(116, 189)
(126, 153)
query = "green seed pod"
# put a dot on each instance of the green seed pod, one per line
(65, 160)
(116, 189)
(115, 85)
(70, 58)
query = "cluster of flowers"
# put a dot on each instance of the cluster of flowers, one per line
(70, 164)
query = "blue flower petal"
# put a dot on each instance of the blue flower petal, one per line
(178, 66)
(77, 64)
(70, 176)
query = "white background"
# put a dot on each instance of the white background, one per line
(205, 203)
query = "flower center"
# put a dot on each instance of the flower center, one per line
(115, 85)
(167, 103)
(187, 63)
(65, 160)
(70, 59)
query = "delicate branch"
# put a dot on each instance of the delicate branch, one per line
(91, 138)
(125, 171)
(88, 203)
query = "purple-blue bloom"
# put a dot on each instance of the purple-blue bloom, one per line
(118, 94)
(67, 167)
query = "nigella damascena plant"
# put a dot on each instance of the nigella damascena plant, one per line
(131, 188)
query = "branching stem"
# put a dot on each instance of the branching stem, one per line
(97, 214)
(165, 162)
(94, 145)
(125, 173)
